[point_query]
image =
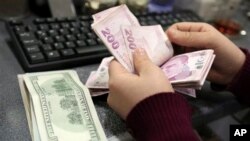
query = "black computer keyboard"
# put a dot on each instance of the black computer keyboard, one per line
(58, 43)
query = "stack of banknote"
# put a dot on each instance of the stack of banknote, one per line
(59, 107)
(121, 33)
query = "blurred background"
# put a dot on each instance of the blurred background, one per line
(219, 12)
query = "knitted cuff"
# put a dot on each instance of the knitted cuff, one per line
(164, 116)
(240, 84)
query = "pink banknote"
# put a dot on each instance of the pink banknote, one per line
(108, 29)
(151, 38)
(189, 68)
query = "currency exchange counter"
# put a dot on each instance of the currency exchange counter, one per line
(208, 105)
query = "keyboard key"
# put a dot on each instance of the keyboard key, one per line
(52, 32)
(60, 39)
(50, 20)
(52, 55)
(163, 22)
(30, 42)
(43, 27)
(84, 29)
(143, 23)
(58, 46)
(88, 51)
(85, 24)
(71, 19)
(26, 36)
(20, 29)
(152, 22)
(81, 36)
(91, 42)
(31, 28)
(61, 19)
(91, 35)
(74, 30)
(70, 37)
(142, 19)
(150, 18)
(99, 41)
(46, 47)
(48, 40)
(54, 26)
(65, 25)
(39, 20)
(85, 18)
(67, 52)
(36, 58)
(70, 45)
(75, 24)
(80, 43)
(41, 34)
(64, 31)
(16, 22)
(32, 49)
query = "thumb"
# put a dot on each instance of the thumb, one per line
(187, 38)
(141, 60)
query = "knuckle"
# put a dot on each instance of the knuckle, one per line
(109, 100)
(111, 84)
(188, 36)
(209, 27)
(139, 62)
(206, 25)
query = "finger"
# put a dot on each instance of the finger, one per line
(188, 39)
(141, 61)
(211, 75)
(115, 68)
(215, 77)
(189, 26)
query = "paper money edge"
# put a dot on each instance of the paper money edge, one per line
(94, 116)
(25, 100)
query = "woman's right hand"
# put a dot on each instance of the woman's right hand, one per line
(229, 58)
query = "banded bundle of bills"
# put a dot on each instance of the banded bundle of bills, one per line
(59, 108)
(121, 33)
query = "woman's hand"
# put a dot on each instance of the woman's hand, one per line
(127, 89)
(229, 58)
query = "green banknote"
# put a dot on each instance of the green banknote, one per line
(59, 107)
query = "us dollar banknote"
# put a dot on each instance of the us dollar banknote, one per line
(59, 107)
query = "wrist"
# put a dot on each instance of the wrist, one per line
(239, 64)
(241, 58)
(240, 84)
(230, 78)
(224, 73)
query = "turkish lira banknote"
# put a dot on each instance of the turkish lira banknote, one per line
(108, 29)
(121, 32)
(186, 72)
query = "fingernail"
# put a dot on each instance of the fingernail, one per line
(139, 51)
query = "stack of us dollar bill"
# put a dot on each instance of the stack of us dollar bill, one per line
(121, 33)
(59, 107)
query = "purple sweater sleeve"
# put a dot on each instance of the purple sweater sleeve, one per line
(240, 86)
(161, 117)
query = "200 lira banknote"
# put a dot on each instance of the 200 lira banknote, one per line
(120, 31)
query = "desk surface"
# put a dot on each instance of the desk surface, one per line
(209, 105)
